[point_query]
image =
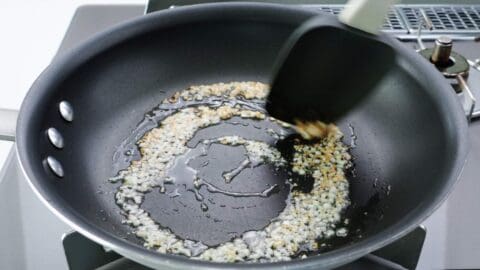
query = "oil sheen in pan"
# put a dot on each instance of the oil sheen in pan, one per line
(231, 185)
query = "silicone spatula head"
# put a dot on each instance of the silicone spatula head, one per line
(330, 65)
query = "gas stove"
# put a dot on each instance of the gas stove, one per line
(33, 238)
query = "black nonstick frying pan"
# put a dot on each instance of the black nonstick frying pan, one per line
(411, 134)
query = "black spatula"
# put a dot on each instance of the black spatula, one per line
(329, 65)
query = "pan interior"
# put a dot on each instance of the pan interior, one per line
(219, 161)
(235, 206)
(219, 217)
(403, 144)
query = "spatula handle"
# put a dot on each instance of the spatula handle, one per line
(366, 15)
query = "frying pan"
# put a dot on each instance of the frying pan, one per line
(410, 134)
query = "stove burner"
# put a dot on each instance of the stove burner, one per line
(456, 64)
(451, 64)
(448, 62)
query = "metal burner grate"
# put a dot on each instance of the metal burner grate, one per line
(404, 19)
(445, 19)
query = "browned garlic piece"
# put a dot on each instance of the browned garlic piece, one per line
(314, 129)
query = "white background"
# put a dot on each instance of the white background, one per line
(30, 33)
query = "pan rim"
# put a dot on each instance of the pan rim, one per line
(143, 24)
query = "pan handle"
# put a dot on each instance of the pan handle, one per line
(8, 123)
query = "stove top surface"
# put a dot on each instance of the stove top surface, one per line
(32, 236)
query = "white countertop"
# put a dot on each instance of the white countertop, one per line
(31, 32)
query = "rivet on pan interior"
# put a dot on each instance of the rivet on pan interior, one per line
(55, 166)
(55, 137)
(66, 111)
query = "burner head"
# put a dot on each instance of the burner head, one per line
(448, 62)
(442, 51)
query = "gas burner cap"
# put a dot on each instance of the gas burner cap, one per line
(458, 66)
(448, 62)
(444, 40)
